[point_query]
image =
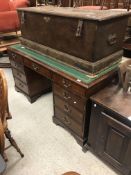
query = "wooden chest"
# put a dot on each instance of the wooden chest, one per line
(110, 128)
(87, 40)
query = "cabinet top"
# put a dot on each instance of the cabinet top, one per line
(97, 15)
(114, 99)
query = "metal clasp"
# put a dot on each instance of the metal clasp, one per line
(22, 18)
(59, 4)
(79, 28)
(76, 3)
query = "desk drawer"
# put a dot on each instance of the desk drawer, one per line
(69, 85)
(17, 65)
(69, 110)
(67, 121)
(38, 68)
(19, 75)
(15, 57)
(76, 101)
(21, 86)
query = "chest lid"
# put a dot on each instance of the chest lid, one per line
(97, 15)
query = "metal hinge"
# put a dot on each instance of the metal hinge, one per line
(79, 28)
(22, 18)
(76, 3)
(59, 4)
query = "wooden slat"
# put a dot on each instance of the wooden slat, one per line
(9, 42)
(10, 34)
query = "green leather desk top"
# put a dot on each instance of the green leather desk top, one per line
(59, 66)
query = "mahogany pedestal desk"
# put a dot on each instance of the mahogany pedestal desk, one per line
(35, 74)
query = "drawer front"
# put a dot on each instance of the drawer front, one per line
(21, 86)
(69, 85)
(37, 68)
(76, 101)
(67, 120)
(17, 65)
(15, 57)
(69, 110)
(19, 75)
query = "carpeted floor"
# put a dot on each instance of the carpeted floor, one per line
(48, 149)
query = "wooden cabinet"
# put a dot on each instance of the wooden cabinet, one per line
(110, 128)
(31, 83)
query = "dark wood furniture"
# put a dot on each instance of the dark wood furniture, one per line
(86, 49)
(110, 127)
(26, 80)
(71, 88)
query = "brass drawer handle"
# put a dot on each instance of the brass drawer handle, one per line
(19, 74)
(67, 120)
(66, 83)
(66, 108)
(21, 85)
(13, 55)
(16, 65)
(36, 68)
(66, 96)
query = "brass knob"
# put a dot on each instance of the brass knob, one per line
(67, 120)
(66, 83)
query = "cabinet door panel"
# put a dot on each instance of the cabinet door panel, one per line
(113, 143)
